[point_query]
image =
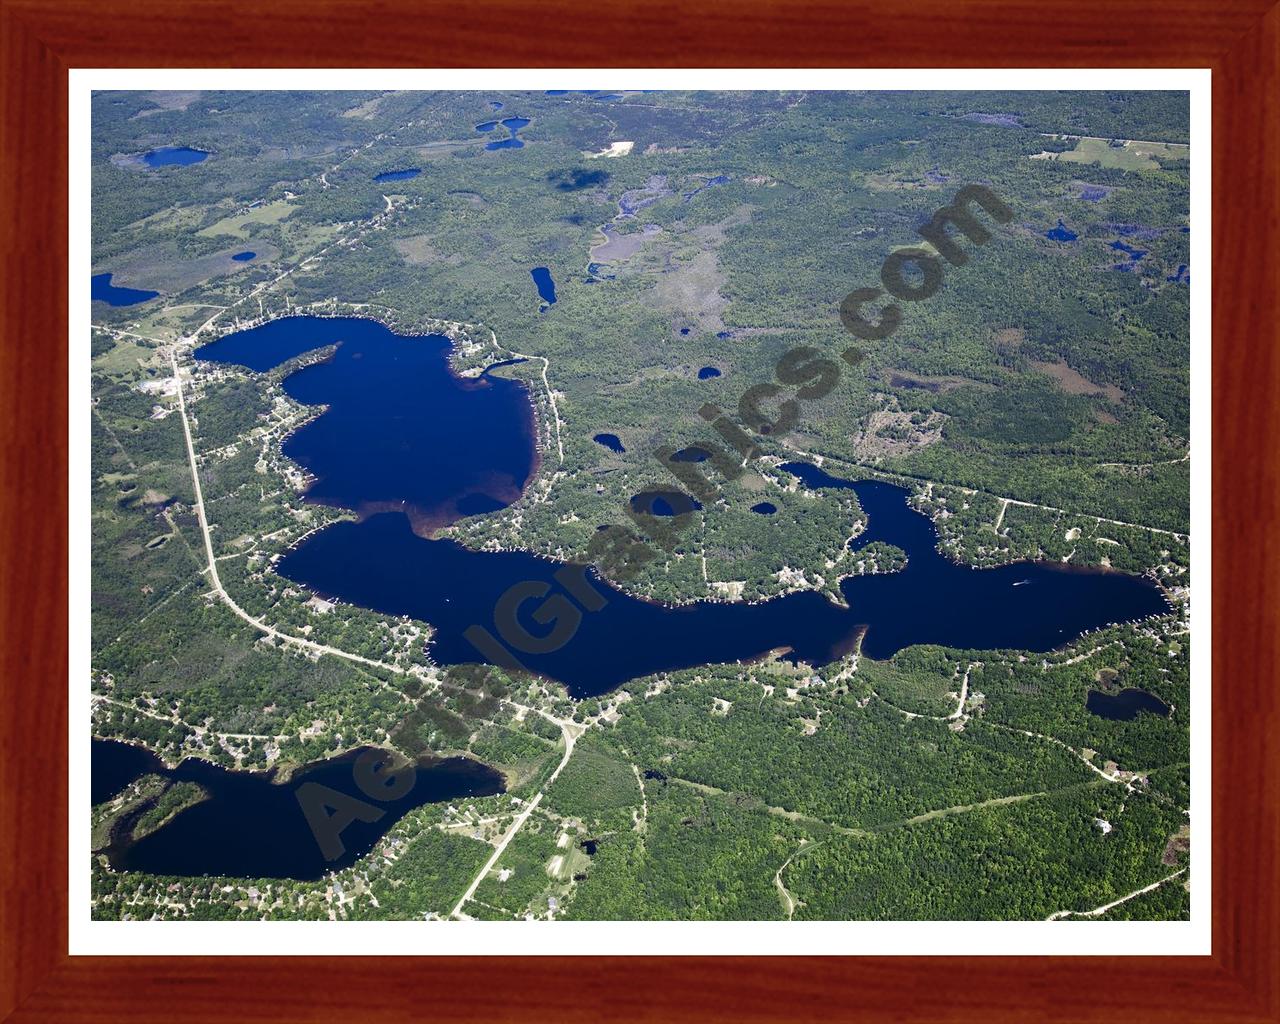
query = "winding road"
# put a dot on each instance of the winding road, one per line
(212, 567)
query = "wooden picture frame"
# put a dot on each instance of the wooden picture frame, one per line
(42, 39)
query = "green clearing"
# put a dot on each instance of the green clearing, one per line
(1129, 156)
(172, 219)
(127, 358)
(238, 224)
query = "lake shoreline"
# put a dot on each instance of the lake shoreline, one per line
(249, 824)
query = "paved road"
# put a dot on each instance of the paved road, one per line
(212, 567)
(571, 732)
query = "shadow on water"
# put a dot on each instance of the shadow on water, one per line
(1126, 705)
(401, 175)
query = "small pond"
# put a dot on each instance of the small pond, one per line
(1126, 705)
(1061, 233)
(401, 175)
(546, 286)
(113, 295)
(1132, 252)
(663, 503)
(174, 156)
(512, 125)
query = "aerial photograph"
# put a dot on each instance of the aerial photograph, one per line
(584, 505)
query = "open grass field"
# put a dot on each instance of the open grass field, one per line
(1129, 156)
(238, 224)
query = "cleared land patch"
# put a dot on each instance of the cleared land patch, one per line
(612, 150)
(621, 246)
(165, 269)
(1075, 383)
(1127, 155)
(418, 250)
(175, 218)
(166, 101)
(693, 288)
(238, 224)
(365, 110)
(916, 382)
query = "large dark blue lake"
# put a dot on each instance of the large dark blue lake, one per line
(254, 826)
(401, 432)
(401, 428)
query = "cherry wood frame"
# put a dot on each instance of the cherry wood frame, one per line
(41, 39)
